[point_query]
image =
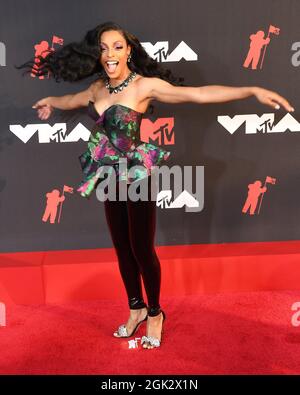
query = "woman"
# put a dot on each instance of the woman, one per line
(129, 80)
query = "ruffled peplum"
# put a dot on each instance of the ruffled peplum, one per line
(101, 152)
(116, 138)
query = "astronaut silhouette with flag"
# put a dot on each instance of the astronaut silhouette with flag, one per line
(255, 190)
(53, 200)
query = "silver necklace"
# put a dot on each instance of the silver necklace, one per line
(119, 88)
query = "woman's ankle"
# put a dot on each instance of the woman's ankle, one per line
(137, 313)
(136, 303)
(154, 311)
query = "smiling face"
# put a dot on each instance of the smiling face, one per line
(114, 54)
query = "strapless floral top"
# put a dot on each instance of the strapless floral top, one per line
(117, 135)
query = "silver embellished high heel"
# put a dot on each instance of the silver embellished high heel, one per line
(122, 330)
(135, 303)
(153, 341)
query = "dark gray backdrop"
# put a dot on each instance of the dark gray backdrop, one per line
(218, 31)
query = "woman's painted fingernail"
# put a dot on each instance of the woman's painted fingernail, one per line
(277, 106)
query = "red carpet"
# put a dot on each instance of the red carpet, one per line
(224, 333)
(75, 275)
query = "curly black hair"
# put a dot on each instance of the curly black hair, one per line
(79, 60)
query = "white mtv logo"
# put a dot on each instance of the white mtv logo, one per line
(255, 123)
(164, 198)
(159, 51)
(47, 133)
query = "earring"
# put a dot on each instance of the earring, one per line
(129, 58)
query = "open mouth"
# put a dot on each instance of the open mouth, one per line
(112, 65)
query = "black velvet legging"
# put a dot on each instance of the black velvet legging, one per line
(132, 228)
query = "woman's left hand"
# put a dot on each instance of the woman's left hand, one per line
(271, 98)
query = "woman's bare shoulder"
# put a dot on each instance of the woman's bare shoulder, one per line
(98, 83)
(96, 88)
(144, 80)
(145, 86)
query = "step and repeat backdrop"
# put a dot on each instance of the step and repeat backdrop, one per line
(248, 189)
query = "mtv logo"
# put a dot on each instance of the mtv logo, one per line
(259, 124)
(160, 132)
(164, 198)
(160, 52)
(49, 134)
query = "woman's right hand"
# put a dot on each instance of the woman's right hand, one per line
(44, 108)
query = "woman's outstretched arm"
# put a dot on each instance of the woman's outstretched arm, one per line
(67, 102)
(163, 91)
